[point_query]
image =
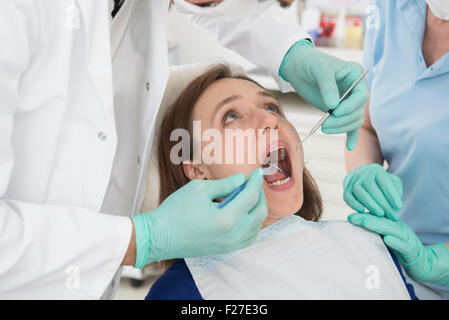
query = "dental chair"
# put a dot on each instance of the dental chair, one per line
(179, 77)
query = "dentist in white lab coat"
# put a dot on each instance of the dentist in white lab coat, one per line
(79, 94)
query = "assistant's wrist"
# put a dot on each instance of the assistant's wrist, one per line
(441, 264)
(305, 44)
(432, 265)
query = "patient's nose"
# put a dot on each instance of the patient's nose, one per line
(266, 120)
(267, 132)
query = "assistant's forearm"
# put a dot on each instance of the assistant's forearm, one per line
(367, 151)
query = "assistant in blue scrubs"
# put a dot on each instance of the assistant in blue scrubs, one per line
(409, 110)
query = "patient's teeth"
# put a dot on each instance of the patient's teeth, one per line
(280, 182)
(283, 154)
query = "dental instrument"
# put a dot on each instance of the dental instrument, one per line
(330, 111)
(265, 171)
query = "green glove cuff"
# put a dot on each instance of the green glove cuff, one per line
(142, 240)
(441, 251)
(302, 42)
(435, 266)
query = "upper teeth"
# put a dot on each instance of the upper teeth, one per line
(279, 156)
(283, 153)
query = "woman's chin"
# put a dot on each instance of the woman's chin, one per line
(280, 209)
(284, 199)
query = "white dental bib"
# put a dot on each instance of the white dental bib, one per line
(297, 259)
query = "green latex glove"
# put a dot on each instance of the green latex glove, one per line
(423, 263)
(370, 186)
(321, 79)
(189, 224)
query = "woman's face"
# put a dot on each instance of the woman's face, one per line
(234, 106)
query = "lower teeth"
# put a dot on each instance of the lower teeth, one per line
(279, 182)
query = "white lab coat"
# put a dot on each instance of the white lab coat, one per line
(75, 132)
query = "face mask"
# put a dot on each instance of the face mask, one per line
(440, 8)
(232, 8)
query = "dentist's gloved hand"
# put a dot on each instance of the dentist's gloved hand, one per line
(424, 263)
(321, 79)
(370, 186)
(189, 224)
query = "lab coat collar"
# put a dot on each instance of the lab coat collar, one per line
(96, 19)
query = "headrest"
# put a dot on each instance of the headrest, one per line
(180, 76)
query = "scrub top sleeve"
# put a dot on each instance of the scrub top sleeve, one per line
(372, 47)
(367, 60)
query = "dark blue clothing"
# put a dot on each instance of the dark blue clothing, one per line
(410, 289)
(177, 284)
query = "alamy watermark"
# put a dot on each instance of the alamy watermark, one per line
(372, 281)
(236, 146)
(73, 280)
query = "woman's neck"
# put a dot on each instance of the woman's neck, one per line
(269, 220)
(436, 42)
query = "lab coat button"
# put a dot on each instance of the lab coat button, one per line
(138, 159)
(148, 86)
(101, 136)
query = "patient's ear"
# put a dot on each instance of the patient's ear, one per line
(193, 171)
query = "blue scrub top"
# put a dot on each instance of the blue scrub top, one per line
(409, 109)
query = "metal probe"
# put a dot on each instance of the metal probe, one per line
(330, 111)
(265, 172)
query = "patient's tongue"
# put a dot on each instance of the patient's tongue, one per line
(275, 177)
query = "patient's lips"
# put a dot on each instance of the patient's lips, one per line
(279, 180)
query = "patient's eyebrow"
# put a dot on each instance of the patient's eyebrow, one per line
(266, 94)
(226, 101)
(237, 96)
(269, 95)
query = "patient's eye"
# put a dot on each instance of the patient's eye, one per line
(229, 117)
(273, 108)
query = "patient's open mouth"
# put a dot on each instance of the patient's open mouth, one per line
(278, 178)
